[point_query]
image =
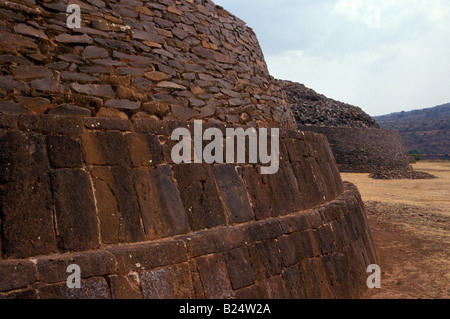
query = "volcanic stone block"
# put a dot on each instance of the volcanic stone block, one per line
(70, 110)
(341, 229)
(64, 152)
(95, 90)
(239, 268)
(92, 52)
(105, 148)
(75, 212)
(310, 279)
(92, 288)
(214, 276)
(52, 269)
(202, 243)
(48, 86)
(314, 219)
(13, 108)
(310, 244)
(318, 178)
(10, 83)
(31, 72)
(8, 122)
(16, 274)
(124, 287)
(172, 282)
(106, 124)
(320, 271)
(36, 104)
(334, 282)
(233, 193)
(342, 269)
(199, 195)
(233, 238)
(295, 149)
(144, 149)
(22, 294)
(25, 196)
(117, 205)
(285, 188)
(332, 185)
(291, 248)
(275, 287)
(266, 259)
(293, 283)
(260, 194)
(140, 257)
(307, 184)
(326, 238)
(51, 124)
(257, 291)
(162, 209)
(263, 230)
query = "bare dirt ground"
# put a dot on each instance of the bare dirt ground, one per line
(410, 225)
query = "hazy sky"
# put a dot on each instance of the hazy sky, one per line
(381, 55)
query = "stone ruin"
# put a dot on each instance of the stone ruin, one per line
(87, 176)
(358, 143)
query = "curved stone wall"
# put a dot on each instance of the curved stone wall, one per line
(364, 150)
(104, 194)
(181, 60)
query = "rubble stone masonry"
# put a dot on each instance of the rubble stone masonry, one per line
(181, 60)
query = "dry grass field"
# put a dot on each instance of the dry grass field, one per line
(410, 224)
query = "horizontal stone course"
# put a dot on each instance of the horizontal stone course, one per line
(270, 266)
(115, 205)
(364, 150)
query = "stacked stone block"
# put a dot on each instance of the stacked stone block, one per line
(104, 194)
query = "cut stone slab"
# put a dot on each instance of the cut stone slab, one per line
(74, 76)
(71, 110)
(100, 90)
(93, 52)
(25, 72)
(10, 83)
(128, 71)
(170, 85)
(67, 38)
(183, 113)
(108, 112)
(13, 108)
(48, 85)
(36, 104)
(27, 30)
(156, 108)
(123, 104)
(157, 76)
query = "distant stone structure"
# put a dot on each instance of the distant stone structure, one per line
(358, 143)
(87, 177)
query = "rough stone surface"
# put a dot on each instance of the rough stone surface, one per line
(313, 109)
(191, 51)
(357, 142)
(104, 193)
(364, 150)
